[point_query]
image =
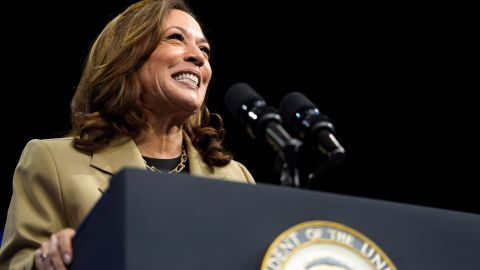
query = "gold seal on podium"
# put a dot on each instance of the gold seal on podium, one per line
(324, 245)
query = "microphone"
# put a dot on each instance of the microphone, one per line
(310, 125)
(261, 120)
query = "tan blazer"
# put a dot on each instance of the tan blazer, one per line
(55, 186)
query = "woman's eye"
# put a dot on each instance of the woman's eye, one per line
(176, 36)
(206, 51)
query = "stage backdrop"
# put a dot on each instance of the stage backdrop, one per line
(389, 76)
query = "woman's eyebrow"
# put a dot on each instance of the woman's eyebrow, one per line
(183, 30)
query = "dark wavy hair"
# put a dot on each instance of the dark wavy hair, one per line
(107, 100)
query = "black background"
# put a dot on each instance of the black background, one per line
(392, 77)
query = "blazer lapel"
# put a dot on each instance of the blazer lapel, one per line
(121, 153)
(198, 167)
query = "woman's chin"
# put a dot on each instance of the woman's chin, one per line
(191, 108)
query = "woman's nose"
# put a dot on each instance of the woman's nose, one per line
(195, 55)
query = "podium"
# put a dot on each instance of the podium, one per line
(164, 221)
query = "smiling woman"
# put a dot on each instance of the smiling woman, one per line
(177, 73)
(140, 103)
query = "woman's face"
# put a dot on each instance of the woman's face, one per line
(176, 75)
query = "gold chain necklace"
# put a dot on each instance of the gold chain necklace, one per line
(180, 166)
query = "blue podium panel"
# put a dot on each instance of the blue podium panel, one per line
(165, 221)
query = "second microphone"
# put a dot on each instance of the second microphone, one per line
(261, 120)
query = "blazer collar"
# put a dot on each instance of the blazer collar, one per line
(123, 152)
(195, 162)
(197, 166)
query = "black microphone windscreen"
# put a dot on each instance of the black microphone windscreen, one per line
(238, 95)
(292, 103)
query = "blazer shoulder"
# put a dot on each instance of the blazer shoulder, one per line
(51, 144)
(238, 171)
(60, 149)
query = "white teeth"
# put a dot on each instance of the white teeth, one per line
(187, 76)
